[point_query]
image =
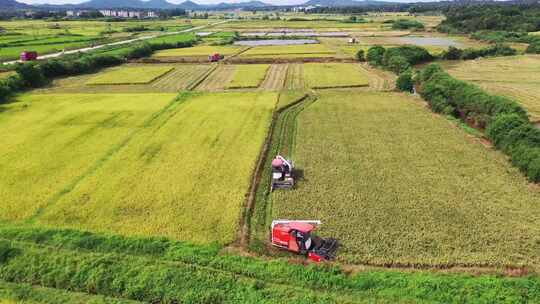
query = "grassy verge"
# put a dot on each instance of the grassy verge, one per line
(164, 271)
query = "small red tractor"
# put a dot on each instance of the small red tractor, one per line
(29, 56)
(297, 237)
(215, 57)
(282, 173)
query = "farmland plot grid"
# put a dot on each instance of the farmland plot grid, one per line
(399, 187)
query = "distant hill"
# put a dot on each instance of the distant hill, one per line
(155, 4)
(342, 3)
(12, 4)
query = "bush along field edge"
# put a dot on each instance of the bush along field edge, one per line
(504, 121)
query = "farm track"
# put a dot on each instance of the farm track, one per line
(275, 78)
(280, 140)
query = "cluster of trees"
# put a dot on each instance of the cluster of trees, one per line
(405, 24)
(454, 53)
(397, 59)
(36, 74)
(472, 18)
(506, 122)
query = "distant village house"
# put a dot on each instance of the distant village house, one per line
(115, 13)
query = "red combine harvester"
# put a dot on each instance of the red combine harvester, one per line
(282, 173)
(296, 236)
(29, 56)
(215, 58)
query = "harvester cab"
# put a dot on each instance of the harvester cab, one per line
(297, 237)
(282, 173)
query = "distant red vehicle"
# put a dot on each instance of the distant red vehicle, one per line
(29, 56)
(215, 58)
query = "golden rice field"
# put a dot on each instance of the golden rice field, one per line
(517, 77)
(130, 75)
(307, 50)
(182, 174)
(248, 76)
(334, 75)
(50, 140)
(398, 185)
(202, 50)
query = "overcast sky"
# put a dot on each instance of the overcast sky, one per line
(197, 1)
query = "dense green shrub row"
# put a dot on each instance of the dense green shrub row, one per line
(534, 47)
(499, 36)
(472, 18)
(66, 260)
(454, 53)
(36, 74)
(404, 24)
(397, 59)
(506, 122)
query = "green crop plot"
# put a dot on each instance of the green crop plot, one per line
(400, 186)
(334, 75)
(248, 76)
(198, 51)
(130, 75)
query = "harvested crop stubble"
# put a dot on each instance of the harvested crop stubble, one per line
(51, 139)
(130, 75)
(275, 77)
(248, 76)
(218, 79)
(334, 75)
(184, 175)
(178, 79)
(401, 186)
(295, 77)
(516, 77)
(203, 50)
